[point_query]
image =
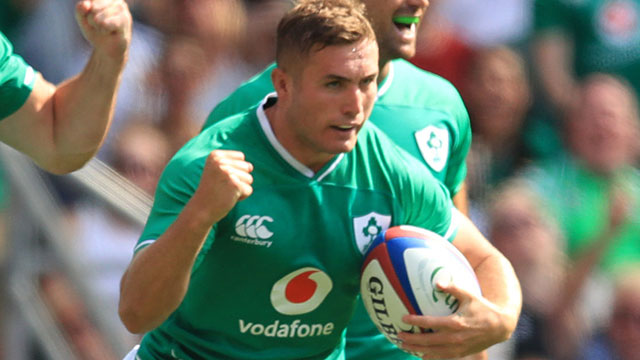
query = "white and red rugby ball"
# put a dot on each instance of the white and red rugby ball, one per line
(399, 275)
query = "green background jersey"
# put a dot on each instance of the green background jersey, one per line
(16, 79)
(605, 34)
(278, 277)
(421, 112)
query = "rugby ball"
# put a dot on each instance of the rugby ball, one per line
(399, 275)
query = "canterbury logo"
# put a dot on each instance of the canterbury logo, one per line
(254, 226)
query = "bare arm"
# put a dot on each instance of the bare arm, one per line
(158, 277)
(498, 280)
(461, 200)
(479, 322)
(552, 55)
(62, 127)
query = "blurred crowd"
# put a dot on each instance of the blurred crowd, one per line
(551, 87)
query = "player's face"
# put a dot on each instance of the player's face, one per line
(391, 21)
(332, 95)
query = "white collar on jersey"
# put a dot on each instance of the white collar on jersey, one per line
(268, 131)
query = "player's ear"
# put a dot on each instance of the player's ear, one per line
(281, 82)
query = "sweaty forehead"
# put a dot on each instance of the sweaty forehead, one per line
(365, 49)
(336, 55)
(339, 62)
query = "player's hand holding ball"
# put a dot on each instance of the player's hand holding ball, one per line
(106, 24)
(423, 295)
(463, 333)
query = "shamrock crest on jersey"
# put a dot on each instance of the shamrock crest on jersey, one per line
(434, 146)
(367, 227)
(372, 229)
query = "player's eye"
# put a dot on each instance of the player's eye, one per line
(333, 84)
(368, 81)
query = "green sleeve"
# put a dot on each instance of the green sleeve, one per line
(246, 96)
(16, 79)
(176, 186)
(457, 167)
(431, 208)
(425, 201)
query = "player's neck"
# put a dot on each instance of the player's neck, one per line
(278, 118)
(274, 115)
(384, 71)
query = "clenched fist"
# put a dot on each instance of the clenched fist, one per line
(226, 179)
(106, 24)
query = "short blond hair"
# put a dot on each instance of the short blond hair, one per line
(316, 24)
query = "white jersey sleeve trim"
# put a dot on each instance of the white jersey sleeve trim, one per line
(143, 244)
(454, 224)
(29, 77)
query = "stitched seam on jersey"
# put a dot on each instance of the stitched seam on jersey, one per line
(268, 131)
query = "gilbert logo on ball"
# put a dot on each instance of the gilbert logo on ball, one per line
(301, 291)
(399, 276)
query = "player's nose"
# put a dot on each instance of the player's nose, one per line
(353, 102)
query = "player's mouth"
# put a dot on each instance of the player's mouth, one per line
(406, 25)
(348, 129)
(344, 128)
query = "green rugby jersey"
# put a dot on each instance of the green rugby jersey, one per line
(421, 112)
(605, 34)
(278, 277)
(16, 79)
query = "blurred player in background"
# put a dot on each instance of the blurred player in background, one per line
(420, 111)
(61, 127)
(214, 277)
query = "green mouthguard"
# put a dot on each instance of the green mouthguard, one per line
(407, 20)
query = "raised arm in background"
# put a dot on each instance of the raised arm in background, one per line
(62, 127)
